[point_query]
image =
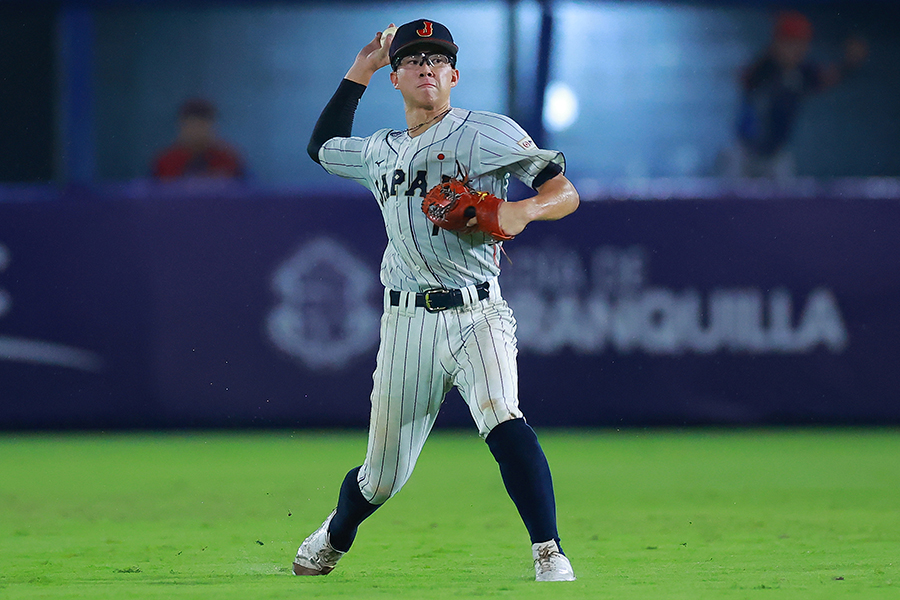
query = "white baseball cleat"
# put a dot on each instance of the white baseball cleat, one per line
(550, 564)
(316, 555)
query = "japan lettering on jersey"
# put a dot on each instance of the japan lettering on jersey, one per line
(399, 170)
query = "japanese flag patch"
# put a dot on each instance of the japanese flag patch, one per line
(527, 143)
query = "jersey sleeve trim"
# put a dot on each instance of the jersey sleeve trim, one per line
(549, 172)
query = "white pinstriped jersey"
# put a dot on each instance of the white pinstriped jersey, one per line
(399, 170)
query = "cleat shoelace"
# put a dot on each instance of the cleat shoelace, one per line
(545, 559)
(327, 556)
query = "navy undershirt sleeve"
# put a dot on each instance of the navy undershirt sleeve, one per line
(336, 119)
(549, 172)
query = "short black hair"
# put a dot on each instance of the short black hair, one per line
(200, 108)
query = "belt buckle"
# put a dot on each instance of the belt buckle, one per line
(428, 306)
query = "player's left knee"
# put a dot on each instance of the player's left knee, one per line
(380, 493)
(510, 438)
(499, 414)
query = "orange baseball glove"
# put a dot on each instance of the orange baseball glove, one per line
(452, 204)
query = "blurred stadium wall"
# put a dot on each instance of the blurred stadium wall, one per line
(656, 83)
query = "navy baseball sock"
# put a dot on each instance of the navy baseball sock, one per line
(352, 509)
(526, 476)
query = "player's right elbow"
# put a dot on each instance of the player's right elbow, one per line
(569, 199)
(575, 200)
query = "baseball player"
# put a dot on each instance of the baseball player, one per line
(445, 322)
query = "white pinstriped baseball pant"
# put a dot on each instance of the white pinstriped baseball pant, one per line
(420, 357)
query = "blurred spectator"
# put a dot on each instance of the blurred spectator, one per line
(773, 88)
(197, 152)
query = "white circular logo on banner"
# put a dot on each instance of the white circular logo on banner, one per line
(323, 317)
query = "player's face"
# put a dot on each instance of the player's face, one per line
(424, 82)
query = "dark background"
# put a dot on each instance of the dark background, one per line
(125, 303)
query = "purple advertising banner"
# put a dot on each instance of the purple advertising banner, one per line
(166, 307)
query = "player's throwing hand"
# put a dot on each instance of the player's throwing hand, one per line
(372, 57)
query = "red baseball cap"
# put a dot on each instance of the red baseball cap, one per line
(793, 25)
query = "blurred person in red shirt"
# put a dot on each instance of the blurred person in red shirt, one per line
(197, 151)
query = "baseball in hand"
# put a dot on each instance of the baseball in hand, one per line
(390, 30)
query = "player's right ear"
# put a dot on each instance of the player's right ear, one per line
(394, 80)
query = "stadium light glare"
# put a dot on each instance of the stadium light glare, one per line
(560, 107)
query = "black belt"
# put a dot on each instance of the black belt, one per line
(440, 299)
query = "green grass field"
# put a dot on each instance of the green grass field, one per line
(768, 514)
